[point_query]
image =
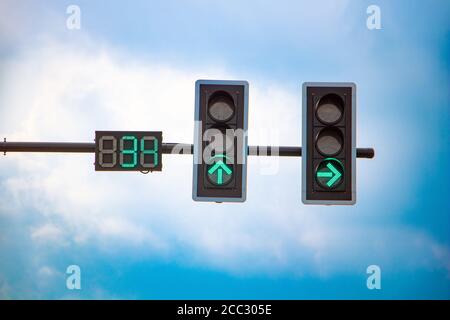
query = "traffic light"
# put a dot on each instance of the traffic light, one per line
(220, 145)
(329, 143)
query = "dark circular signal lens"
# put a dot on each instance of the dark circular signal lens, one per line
(329, 142)
(221, 107)
(223, 142)
(330, 109)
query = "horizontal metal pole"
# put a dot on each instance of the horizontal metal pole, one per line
(368, 153)
(47, 147)
(272, 151)
(167, 148)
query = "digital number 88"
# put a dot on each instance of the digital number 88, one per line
(133, 151)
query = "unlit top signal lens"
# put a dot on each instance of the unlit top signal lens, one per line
(221, 107)
(330, 109)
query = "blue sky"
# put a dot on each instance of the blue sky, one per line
(142, 236)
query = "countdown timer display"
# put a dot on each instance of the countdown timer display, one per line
(128, 150)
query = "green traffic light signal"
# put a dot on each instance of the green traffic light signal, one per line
(329, 143)
(219, 173)
(220, 141)
(329, 173)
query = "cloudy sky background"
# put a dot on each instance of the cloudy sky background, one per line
(133, 67)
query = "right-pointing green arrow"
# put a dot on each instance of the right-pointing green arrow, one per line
(334, 175)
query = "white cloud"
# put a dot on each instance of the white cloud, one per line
(47, 232)
(46, 271)
(66, 92)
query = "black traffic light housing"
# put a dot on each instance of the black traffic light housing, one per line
(220, 145)
(329, 143)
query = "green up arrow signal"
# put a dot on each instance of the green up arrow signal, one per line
(333, 174)
(220, 167)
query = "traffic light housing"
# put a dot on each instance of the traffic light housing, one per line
(220, 142)
(329, 143)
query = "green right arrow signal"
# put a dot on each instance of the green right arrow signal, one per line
(334, 175)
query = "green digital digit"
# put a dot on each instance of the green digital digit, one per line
(132, 151)
(153, 151)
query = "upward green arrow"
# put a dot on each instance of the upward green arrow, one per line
(220, 167)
